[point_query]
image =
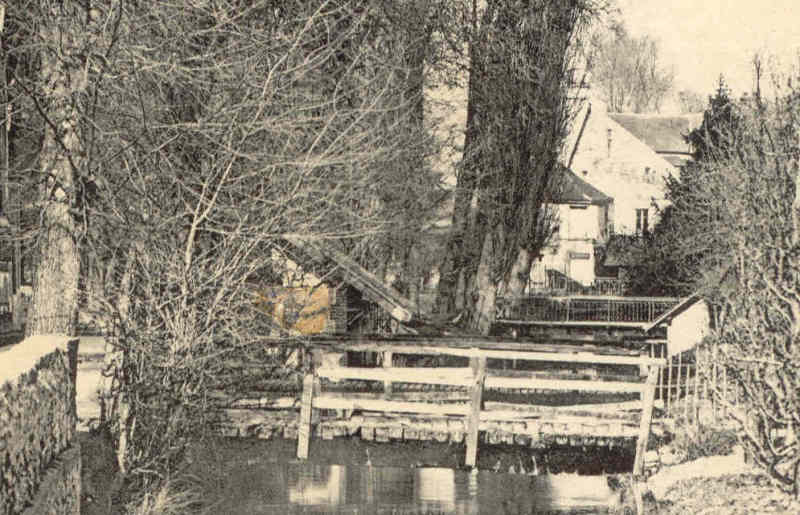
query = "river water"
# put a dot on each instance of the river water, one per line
(256, 487)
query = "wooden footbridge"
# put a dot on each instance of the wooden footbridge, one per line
(456, 389)
(453, 387)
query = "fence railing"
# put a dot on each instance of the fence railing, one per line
(695, 389)
(584, 309)
(557, 280)
(466, 404)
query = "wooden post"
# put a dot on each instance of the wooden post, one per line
(696, 399)
(647, 396)
(662, 354)
(724, 391)
(669, 383)
(387, 363)
(478, 365)
(706, 378)
(678, 380)
(304, 424)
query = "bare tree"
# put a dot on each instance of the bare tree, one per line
(628, 73)
(733, 234)
(192, 136)
(522, 66)
(691, 101)
(48, 50)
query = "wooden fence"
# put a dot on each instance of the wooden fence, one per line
(592, 309)
(460, 401)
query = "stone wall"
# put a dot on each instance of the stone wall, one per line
(60, 490)
(37, 427)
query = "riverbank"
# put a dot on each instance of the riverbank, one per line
(730, 494)
(715, 485)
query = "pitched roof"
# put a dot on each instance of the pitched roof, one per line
(397, 306)
(371, 287)
(661, 133)
(573, 189)
(676, 310)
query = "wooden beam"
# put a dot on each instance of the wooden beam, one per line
(519, 351)
(439, 397)
(304, 424)
(648, 396)
(478, 366)
(562, 384)
(615, 411)
(387, 364)
(447, 376)
(327, 401)
(589, 375)
(463, 342)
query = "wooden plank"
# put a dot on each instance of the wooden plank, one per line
(377, 343)
(325, 401)
(622, 412)
(387, 364)
(388, 298)
(695, 397)
(428, 396)
(304, 424)
(478, 366)
(267, 403)
(668, 399)
(573, 355)
(448, 376)
(570, 420)
(568, 375)
(648, 396)
(678, 380)
(556, 384)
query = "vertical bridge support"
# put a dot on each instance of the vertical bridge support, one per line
(311, 387)
(478, 365)
(304, 427)
(648, 397)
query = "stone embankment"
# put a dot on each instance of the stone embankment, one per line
(40, 456)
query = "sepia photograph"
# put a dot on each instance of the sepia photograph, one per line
(383, 257)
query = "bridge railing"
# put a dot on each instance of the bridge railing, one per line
(464, 402)
(583, 309)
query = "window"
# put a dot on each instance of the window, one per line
(641, 221)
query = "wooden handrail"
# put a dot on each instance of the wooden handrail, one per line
(476, 378)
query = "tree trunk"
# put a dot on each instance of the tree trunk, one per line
(452, 271)
(520, 275)
(484, 290)
(55, 293)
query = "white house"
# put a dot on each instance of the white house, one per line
(584, 221)
(607, 156)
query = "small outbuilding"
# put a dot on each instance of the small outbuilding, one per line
(687, 323)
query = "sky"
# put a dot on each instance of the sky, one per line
(702, 39)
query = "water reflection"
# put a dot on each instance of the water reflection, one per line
(310, 488)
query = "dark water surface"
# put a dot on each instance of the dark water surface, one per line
(258, 487)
